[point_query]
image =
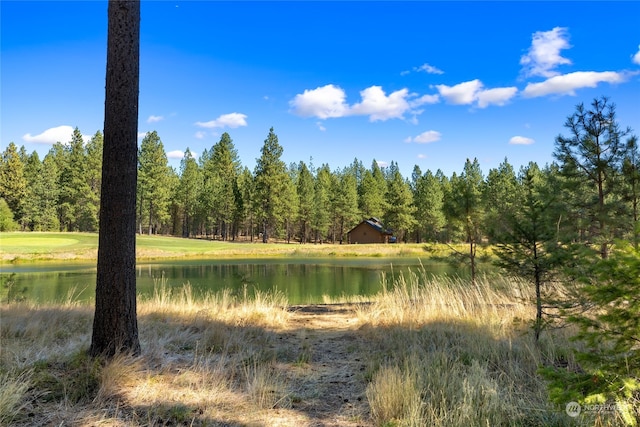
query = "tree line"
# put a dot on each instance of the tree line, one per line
(589, 193)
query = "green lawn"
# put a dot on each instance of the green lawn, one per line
(46, 243)
(28, 247)
(40, 246)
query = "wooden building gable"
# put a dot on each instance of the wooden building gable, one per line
(369, 231)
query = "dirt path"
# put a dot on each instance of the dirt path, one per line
(328, 379)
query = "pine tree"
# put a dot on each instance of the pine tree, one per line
(590, 158)
(7, 223)
(78, 204)
(372, 192)
(244, 202)
(466, 208)
(631, 187)
(94, 164)
(270, 175)
(154, 189)
(609, 329)
(526, 246)
(220, 169)
(306, 197)
(344, 202)
(187, 192)
(428, 196)
(49, 194)
(321, 218)
(291, 202)
(500, 197)
(93, 179)
(115, 325)
(13, 184)
(399, 216)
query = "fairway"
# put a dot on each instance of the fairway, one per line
(83, 246)
(39, 243)
(45, 243)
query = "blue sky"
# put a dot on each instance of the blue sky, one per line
(426, 83)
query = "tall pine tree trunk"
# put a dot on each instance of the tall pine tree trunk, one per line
(115, 325)
(265, 236)
(150, 217)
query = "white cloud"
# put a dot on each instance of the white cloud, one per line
(321, 102)
(179, 154)
(321, 126)
(62, 134)
(330, 102)
(429, 69)
(422, 156)
(521, 140)
(382, 163)
(426, 137)
(462, 93)
(155, 119)
(51, 135)
(497, 96)
(567, 84)
(175, 154)
(200, 134)
(636, 58)
(378, 106)
(231, 120)
(424, 68)
(544, 54)
(424, 99)
(473, 91)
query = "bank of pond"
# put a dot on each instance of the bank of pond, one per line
(302, 281)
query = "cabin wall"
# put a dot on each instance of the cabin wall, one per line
(363, 233)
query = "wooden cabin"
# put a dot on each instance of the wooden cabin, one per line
(369, 231)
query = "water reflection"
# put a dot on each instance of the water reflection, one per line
(303, 281)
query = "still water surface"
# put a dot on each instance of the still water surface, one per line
(302, 281)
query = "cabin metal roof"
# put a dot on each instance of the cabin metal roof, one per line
(376, 224)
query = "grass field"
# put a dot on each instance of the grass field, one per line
(25, 247)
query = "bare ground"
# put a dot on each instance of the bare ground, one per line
(331, 383)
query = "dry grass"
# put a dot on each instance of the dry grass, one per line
(461, 356)
(13, 389)
(195, 363)
(422, 353)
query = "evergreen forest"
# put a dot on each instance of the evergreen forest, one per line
(588, 194)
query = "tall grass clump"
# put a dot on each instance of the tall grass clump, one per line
(266, 386)
(245, 307)
(394, 396)
(415, 298)
(13, 389)
(458, 354)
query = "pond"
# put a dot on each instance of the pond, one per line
(303, 281)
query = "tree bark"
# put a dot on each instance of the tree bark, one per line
(115, 326)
